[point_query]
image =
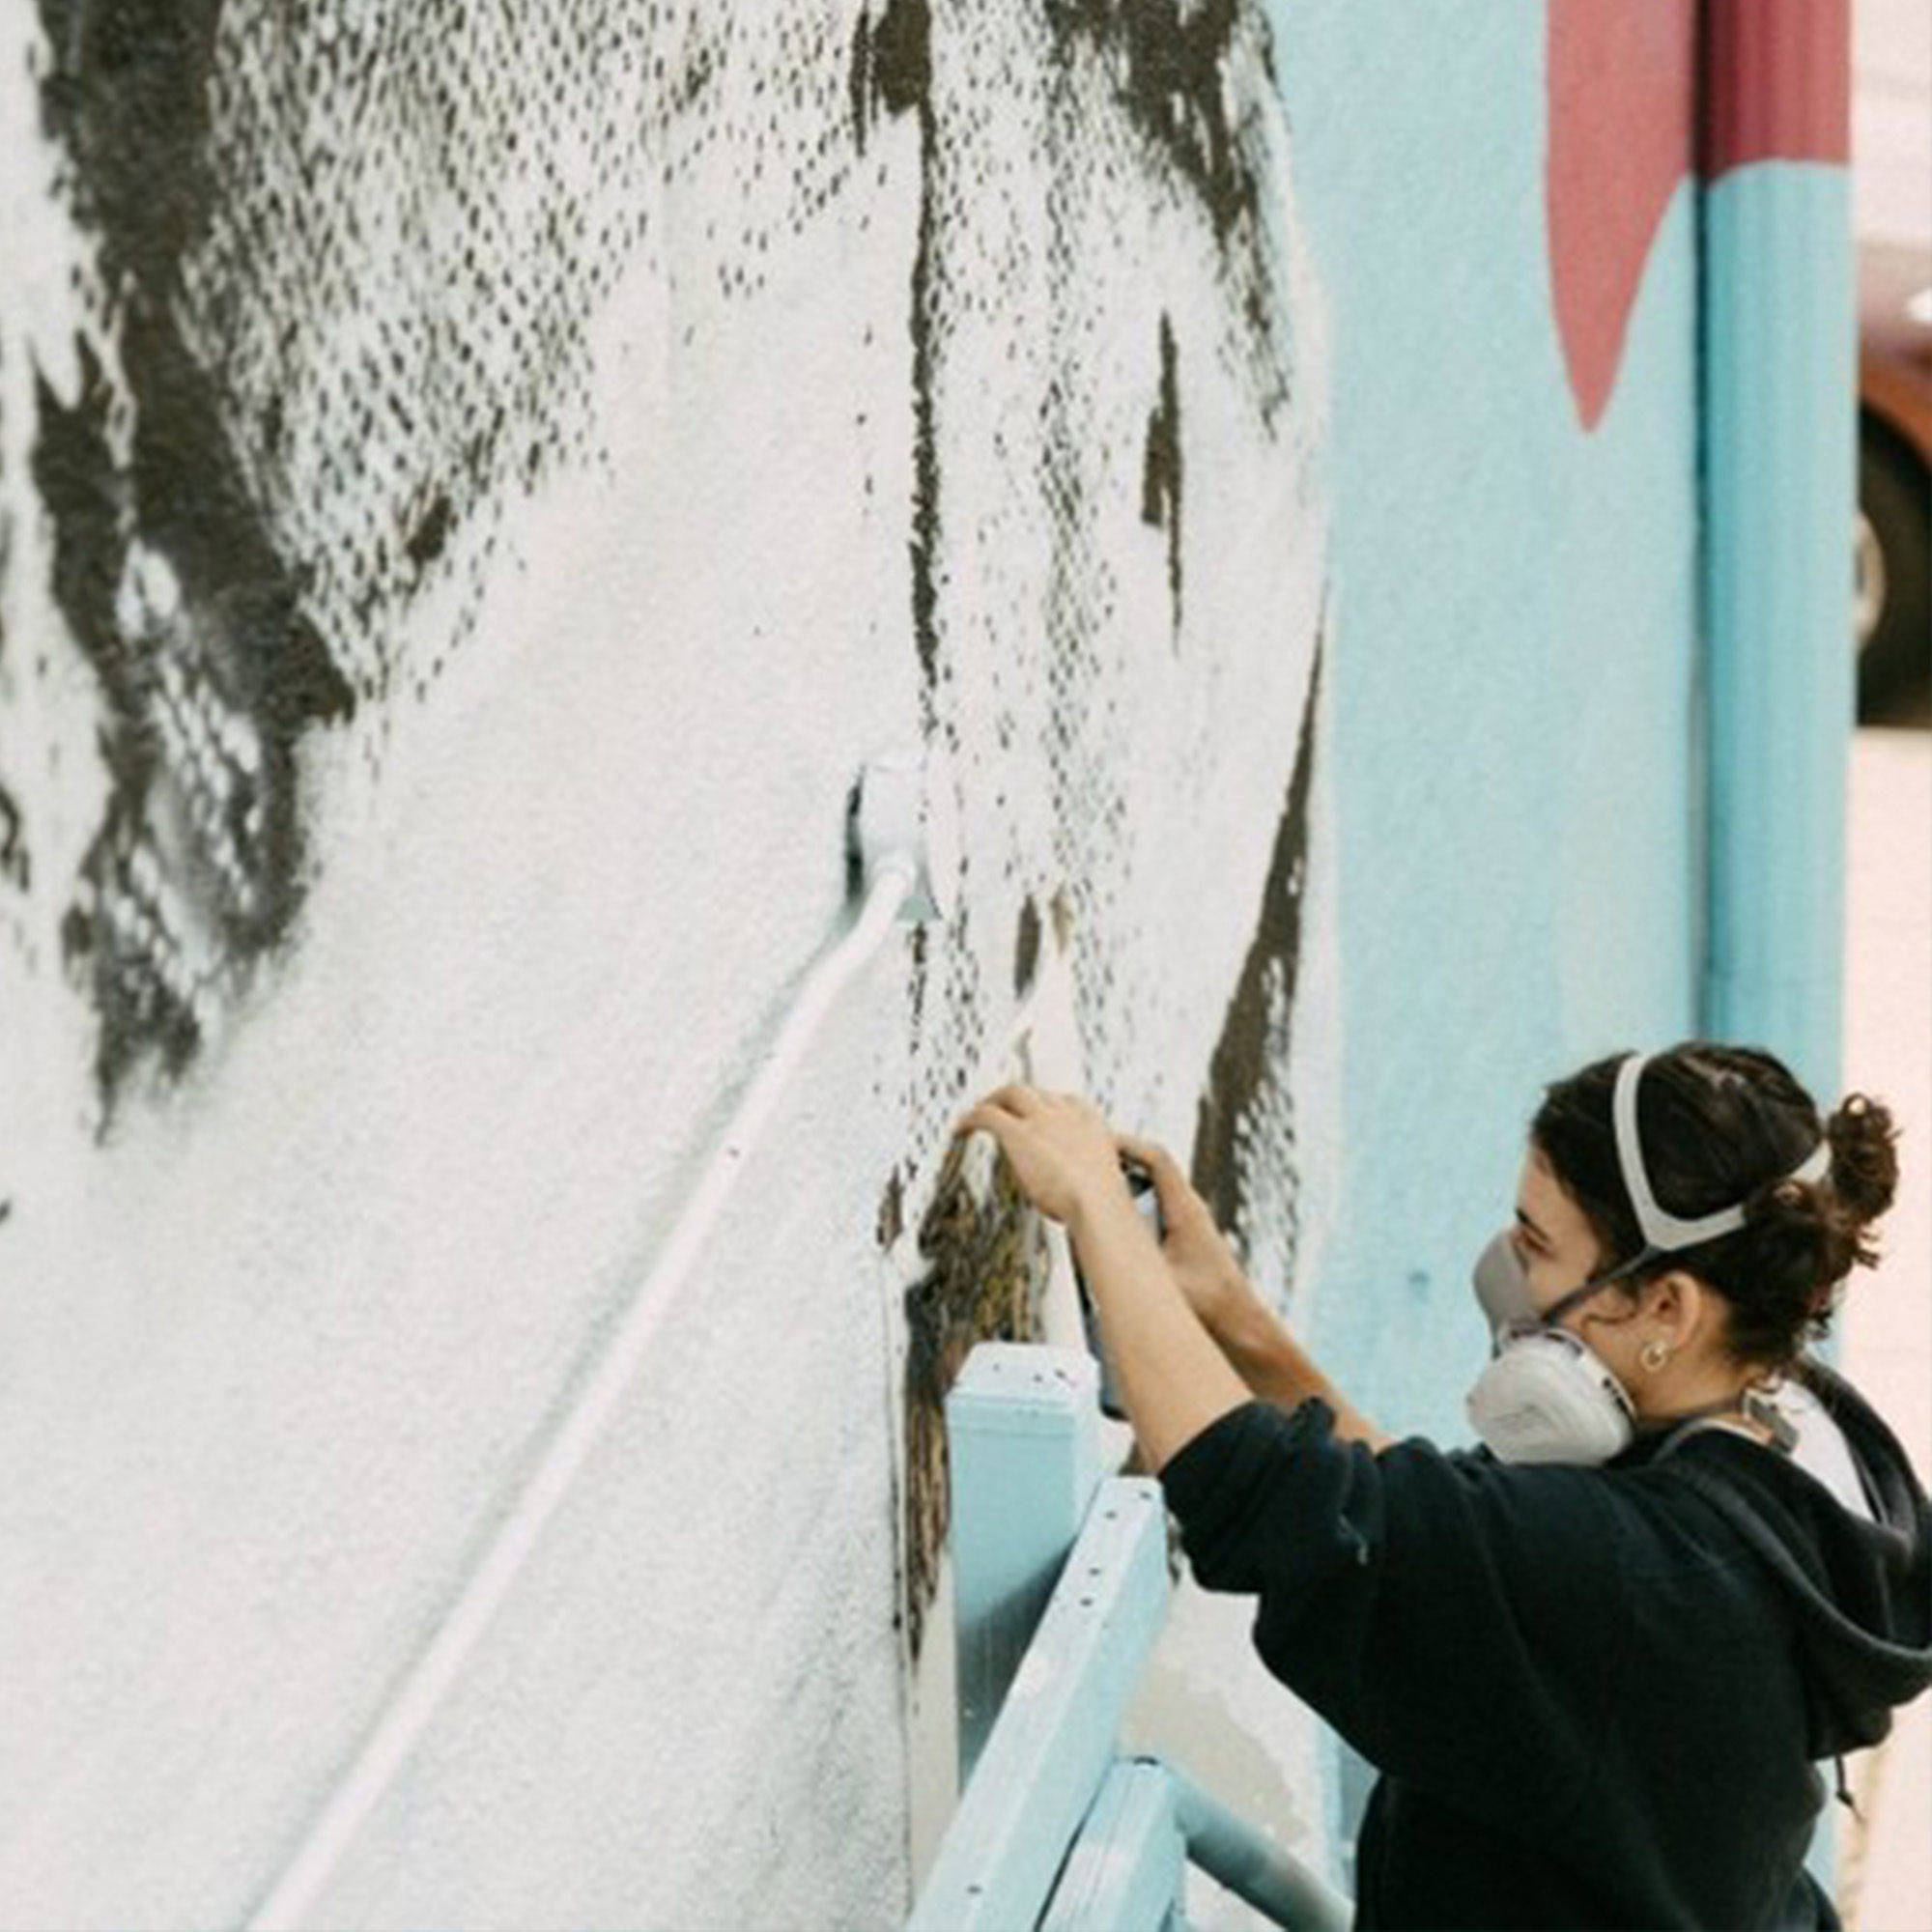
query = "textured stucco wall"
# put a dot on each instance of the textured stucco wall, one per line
(477, 484)
(1514, 712)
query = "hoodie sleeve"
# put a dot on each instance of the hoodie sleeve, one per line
(1460, 1622)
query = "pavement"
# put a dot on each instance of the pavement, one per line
(1885, 1863)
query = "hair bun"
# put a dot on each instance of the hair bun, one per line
(1865, 1157)
(1803, 1244)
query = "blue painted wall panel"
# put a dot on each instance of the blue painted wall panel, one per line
(1515, 744)
(1513, 762)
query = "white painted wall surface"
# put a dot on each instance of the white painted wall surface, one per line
(279, 1333)
(295, 1326)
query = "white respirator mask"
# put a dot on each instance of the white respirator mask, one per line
(1546, 1396)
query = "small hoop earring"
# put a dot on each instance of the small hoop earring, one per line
(1654, 1356)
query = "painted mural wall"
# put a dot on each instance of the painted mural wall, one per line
(477, 484)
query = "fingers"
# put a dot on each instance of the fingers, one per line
(1172, 1187)
(997, 1113)
(1170, 1177)
(1016, 1100)
(985, 1119)
(1149, 1155)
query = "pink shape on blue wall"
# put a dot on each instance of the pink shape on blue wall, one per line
(1625, 128)
(1622, 84)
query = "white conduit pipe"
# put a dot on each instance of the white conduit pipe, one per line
(894, 878)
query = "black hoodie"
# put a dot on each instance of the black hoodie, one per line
(1596, 1696)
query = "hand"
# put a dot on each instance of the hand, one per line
(1196, 1252)
(1063, 1153)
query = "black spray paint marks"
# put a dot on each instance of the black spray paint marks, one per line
(164, 568)
(985, 1274)
(1171, 59)
(1170, 56)
(892, 1210)
(892, 63)
(350, 265)
(431, 535)
(13, 865)
(861, 79)
(1251, 1056)
(892, 71)
(1131, 137)
(1160, 478)
(1026, 949)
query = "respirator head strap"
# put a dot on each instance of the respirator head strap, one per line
(1666, 1232)
(1646, 1258)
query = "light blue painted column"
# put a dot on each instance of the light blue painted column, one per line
(1781, 475)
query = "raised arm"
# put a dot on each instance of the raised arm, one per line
(1256, 1342)
(1186, 1337)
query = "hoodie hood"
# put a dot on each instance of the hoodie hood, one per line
(1860, 1592)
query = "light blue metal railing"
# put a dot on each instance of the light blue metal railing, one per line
(1061, 1589)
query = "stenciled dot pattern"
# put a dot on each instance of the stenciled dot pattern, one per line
(402, 225)
(422, 210)
(13, 832)
(1084, 701)
(412, 217)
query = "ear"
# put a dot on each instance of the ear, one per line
(1679, 1304)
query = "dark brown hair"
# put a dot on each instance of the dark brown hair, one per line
(1722, 1125)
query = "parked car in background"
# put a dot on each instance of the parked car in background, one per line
(1892, 621)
